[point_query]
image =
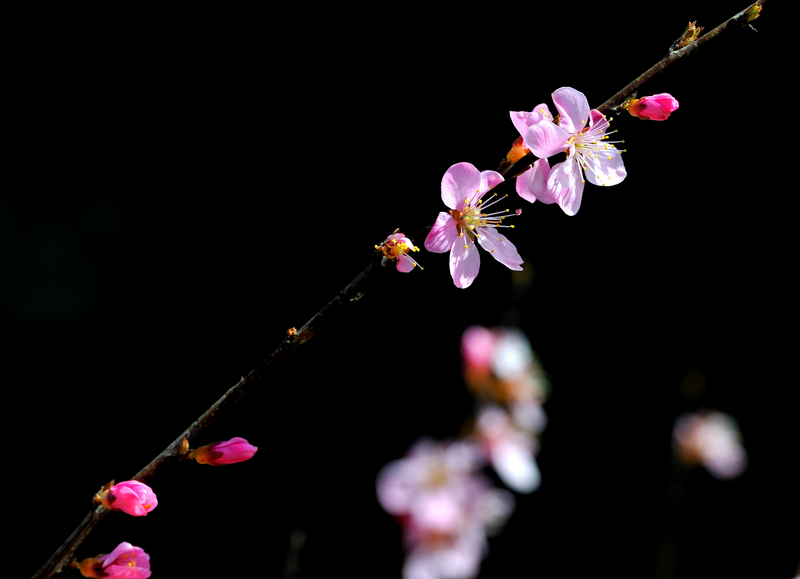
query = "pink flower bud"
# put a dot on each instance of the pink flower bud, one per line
(218, 453)
(132, 497)
(655, 108)
(124, 562)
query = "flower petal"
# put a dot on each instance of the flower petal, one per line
(500, 248)
(532, 185)
(443, 234)
(460, 182)
(565, 185)
(608, 170)
(404, 263)
(523, 120)
(464, 262)
(573, 108)
(545, 139)
(490, 179)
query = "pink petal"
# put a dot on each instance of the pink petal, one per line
(500, 248)
(443, 234)
(532, 185)
(523, 120)
(404, 263)
(545, 139)
(490, 179)
(604, 170)
(565, 185)
(573, 108)
(464, 262)
(461, 181)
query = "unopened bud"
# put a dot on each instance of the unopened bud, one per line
(229, 452)
(655, 108)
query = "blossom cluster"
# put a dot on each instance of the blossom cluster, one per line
(439, 493)
(578, 131)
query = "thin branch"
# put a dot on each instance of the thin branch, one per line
(352, 292)
(176, 451)
(616, 100)
(671, 57)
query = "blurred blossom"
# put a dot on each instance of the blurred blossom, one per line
(713, 440)
(445, 506)
(511, 451)
(500, 364)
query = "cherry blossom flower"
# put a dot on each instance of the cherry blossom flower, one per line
(511, 451)
(132, 497)
(445, 506)
(583, 144)
(655, 108)
(713, 440)
(463, 188)
(499, 364)
(235, 450)
(124, 562)
(398, 247)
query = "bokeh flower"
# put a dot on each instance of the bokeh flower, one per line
(463, 188)
(446, 508)
(711, 439)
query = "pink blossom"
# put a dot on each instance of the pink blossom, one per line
(398, 247)
(511, 451)
(713, 440)
(586, 153)
(655, 108)
(124, 562)
(463, 188)
(132, 497)
(229, 452)
(446, 507)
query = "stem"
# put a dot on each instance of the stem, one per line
(175, 451)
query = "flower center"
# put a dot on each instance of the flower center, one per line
(473, 216)
(589, 145)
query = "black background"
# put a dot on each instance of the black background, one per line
(180, 189)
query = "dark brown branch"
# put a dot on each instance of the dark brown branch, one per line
(671, 57)
(176, 450)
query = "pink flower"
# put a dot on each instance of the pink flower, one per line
(445, 506)
(586, 153)
(655, 108)
(124, 562)
(218, 453)
(463, 187)
(713, 440)
(398, 247)
(132, 497)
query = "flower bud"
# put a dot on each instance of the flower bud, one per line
(124, 562)
(655, 108)
(132, 497)
(218, 453)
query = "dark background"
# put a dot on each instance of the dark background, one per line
(180, 189)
